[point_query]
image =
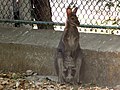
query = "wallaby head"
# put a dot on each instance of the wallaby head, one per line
(72, 19)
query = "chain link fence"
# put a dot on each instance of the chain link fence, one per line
(91, 12)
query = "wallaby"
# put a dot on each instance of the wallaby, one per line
(68, 57)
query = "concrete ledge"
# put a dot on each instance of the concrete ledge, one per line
(22, 49)
(19, 58)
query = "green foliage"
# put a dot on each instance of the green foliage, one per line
(109, 4)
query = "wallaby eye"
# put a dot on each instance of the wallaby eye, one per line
(76, 39)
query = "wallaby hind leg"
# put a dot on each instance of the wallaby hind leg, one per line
(61, 75)
(78, 67)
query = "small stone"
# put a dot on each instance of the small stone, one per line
(116, 87)
(29, 72)
(35, 74)
(4, 83)
(49, 88)
(38, 84)
(17, 84)
(33, 86)
(1, 78)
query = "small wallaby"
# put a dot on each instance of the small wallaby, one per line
(68, 57)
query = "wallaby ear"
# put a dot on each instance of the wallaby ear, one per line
(69, 11)
(75, 10)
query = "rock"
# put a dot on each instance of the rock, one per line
(38, 84)
(35, 74)
(17, 84)
(49, 88)
(4, 82)
(116, 87)
(29, 72)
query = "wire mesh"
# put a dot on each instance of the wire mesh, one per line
(91, 12)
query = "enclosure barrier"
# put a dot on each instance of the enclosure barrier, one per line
(57, 23)
(92, 14)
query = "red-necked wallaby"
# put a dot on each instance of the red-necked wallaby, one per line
(68, 57)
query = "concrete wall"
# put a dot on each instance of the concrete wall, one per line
(22, 49)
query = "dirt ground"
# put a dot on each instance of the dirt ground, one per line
(31, 81)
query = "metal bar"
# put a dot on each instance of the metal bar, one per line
(29, 22)
(56, 23)
(100, 27)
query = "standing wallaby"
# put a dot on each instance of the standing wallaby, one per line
(68, 57)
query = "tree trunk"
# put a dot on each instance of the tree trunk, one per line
(42, 12)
